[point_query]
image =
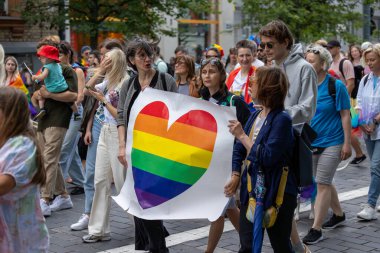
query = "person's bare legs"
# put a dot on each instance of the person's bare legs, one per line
(216, 231)
(335, 204)
(322, 204)
(295, 239)
(356, 146)
(216, 228)
(234, 215)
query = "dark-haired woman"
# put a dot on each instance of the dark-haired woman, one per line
(149, 234)
(186, 80)
(263, 146)
(355, 56)
(213, 77)
(22, 225)
(69, 160)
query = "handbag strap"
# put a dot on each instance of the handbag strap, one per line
(246, 161)
(281, 187)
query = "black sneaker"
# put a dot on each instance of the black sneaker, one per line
(358, 160)
(334, 221)
(313, 237)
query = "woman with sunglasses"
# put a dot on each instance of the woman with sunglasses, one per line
(213, 89)
(149, 234)
(264, 147)
(238, 80)
(332, 123)
(184, 69)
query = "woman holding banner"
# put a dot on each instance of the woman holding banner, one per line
(149, 234)
(213, 89)
(268, 188)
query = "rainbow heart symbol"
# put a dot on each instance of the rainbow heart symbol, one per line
(167, 162)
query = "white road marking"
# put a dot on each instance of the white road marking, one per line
(202, 232)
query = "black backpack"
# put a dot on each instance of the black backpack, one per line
(302, 158)
(332, 88)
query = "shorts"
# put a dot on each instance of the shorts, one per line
(326, 163)
(230, 205)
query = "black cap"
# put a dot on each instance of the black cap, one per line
(333, 43)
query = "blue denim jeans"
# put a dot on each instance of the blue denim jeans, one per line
(90, 166)
(69, 160)
(373, 149)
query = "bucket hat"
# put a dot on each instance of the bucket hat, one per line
(49, 52)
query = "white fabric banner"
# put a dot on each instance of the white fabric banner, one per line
(179, 153)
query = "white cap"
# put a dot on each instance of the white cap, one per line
(366, 45)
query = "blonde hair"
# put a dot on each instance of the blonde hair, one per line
(118, 72)
(374, 48)
(2, 65)
(15, 73)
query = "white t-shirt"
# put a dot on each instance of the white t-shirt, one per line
(238, 86)
(112, 97)
(257, 127)
(256, 63)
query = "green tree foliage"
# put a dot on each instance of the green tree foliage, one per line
(129, 17)
(309, 20)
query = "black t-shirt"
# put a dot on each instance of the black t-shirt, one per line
(359, 73)
(58, 113)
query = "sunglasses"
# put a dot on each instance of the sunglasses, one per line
(312, 50)
(211, 56)
(213, 61)
(269, 45)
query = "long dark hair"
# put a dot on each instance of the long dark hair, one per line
(16, 122)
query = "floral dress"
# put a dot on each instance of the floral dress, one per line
(22, 225)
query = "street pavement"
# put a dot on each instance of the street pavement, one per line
(190, 236)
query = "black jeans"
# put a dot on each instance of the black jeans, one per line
(279, 234)
(150, 235)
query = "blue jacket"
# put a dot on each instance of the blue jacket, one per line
(273, 145)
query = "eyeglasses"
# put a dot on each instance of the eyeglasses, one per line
(211, 56)
(269, 45)
(143, 57)
(180, 63)
(312, 50)
(212, 61)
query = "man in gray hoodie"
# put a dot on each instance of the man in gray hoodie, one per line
(278, 44)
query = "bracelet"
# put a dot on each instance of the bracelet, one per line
(236, 174)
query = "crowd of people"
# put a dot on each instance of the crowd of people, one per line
(67, 124)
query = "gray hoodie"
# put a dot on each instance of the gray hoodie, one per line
(301, 100)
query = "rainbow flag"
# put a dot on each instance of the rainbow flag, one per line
(167, 162)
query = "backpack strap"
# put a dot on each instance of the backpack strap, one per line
(365, 80)
(341, 67)
(332, 88)
(163, 80)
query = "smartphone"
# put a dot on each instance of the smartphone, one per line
(91, 88)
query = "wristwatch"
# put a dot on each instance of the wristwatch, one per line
(104, 103)
(375, 122)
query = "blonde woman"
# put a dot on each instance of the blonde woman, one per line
(107, 165)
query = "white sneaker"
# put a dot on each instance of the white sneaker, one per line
(60, 203)
(81, 224)
(368, 213)
(45, 208)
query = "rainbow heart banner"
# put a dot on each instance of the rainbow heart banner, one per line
(179, 154)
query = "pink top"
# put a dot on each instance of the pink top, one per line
(348, 70)
(22, 225)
